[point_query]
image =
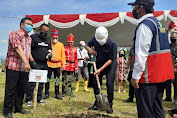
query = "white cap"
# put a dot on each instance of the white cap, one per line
(101, 33)
(82, 43)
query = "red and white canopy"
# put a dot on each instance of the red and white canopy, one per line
(109, 20)
(96, 20)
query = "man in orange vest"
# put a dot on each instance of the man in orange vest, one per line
(153, 64)
(55, 63)
(71, 65)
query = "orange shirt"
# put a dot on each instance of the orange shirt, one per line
(58, 55)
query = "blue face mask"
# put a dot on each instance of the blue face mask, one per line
(82, 47)
(28, 28)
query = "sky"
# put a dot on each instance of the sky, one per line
(11, 11)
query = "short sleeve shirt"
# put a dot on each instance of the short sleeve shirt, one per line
(105, 52)
(81, 54)
(17, 39)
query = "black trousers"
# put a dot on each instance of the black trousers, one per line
(66, 82)
(110, 76)
(168, 89)
(149, 100)
(15, 87)
(91, 75)
(131, 88)
(32, 85)
(56, 74)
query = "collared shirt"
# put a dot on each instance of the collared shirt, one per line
(142, 46)
(17, 39)
(81, 54)
(105, 52)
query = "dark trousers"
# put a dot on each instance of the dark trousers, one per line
(131, 88)
(66, 82)
(32, 85)
(56, 74)
(168, 89)
(91, 75)
(149, 100)
(15, 87)
(110, 76)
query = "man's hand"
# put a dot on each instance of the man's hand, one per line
(127, 71)
(92, 52)
(27, 67)
(62, 68)
(76, 70)
(97, 72)
(134, 83)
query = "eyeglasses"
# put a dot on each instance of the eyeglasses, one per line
(70, 42)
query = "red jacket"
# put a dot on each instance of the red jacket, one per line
(71, 58)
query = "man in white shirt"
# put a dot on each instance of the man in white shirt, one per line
(153, 65)
(82, 56)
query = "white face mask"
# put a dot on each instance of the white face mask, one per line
(55, 41)
(102, 42)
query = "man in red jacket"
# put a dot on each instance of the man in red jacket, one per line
(71, 65)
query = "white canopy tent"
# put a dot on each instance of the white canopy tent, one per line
(121, 26)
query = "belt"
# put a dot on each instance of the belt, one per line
(69, 62)
(54, 61)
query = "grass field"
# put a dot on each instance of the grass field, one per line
(79, 104)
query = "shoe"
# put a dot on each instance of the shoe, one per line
(124, 91)
(175, 102)
(128, 100)
(94, 107)
(63, 95)
(9, 115)
(85, 86)
(110, 111)
(58, 97)
(46, 96)
(29, 103)
(42, 102)
(22, 112)
(168, 99)
(77, 86)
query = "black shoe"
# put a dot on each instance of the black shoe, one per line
(128, 100)
(110, 111)
(168, 99)
(22, 112)
(63, 95)
(9, 115)
(175, 102)
(46, 96)
(94, 107)
(58, 97)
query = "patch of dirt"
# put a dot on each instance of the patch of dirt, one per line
(88, 115)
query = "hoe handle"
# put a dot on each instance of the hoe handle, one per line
(97, 79)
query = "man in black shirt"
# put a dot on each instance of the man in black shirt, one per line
(173, 48)
(106, 55)
(40, 50)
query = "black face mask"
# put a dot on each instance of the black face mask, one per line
(173, 40)
(43, 34)
(121, 55)
(135, 15)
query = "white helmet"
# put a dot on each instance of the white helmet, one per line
(82, 43)
(101, 33)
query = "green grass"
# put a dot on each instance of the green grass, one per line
(80, 103)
